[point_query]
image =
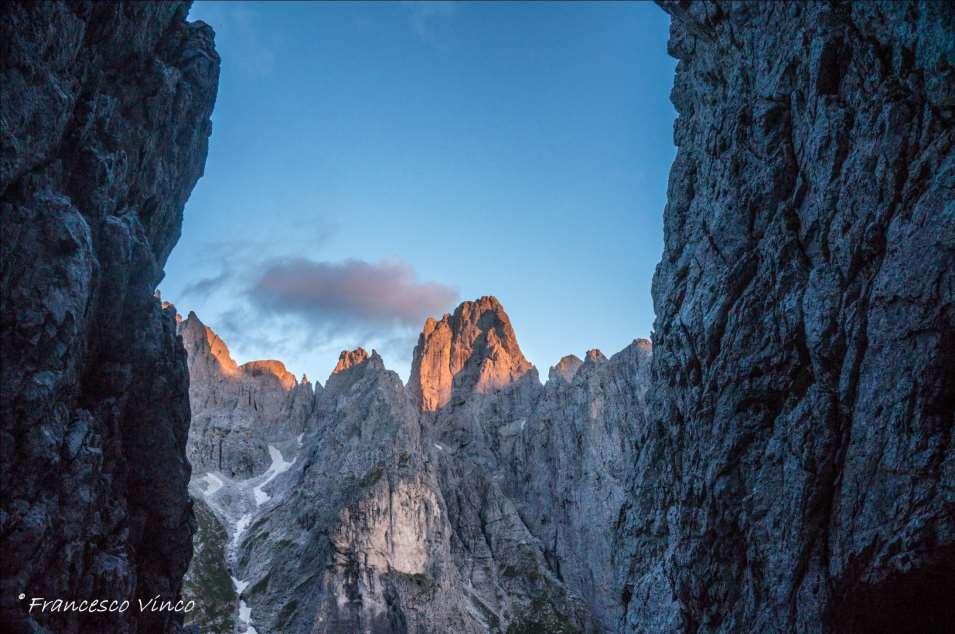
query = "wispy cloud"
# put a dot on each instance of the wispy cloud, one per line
(267, 306)
(207, 285)
(236, 260)
(351, 295)
(309, 234)
(427, 16)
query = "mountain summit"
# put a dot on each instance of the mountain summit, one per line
(237, 410)
(472, 350)
(473, 499)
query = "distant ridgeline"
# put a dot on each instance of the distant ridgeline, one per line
(473, 498)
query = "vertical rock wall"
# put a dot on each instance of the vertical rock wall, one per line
(238, 410)
(105, 122)
(798, 470)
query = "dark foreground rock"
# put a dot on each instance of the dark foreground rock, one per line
(798, 471)
(105, 121)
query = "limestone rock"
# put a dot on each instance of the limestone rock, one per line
(796, 472)
(105, 120)
(350, 358)
(383, 521)
(473, 350)
(570, 472)
(565, 369)
(238, 410)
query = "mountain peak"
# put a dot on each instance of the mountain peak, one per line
(643, 345)
(200, 341)
(270, 367)
(349, 359)
(472, 350)
(565, 369)
(205, 347)
(353, 366)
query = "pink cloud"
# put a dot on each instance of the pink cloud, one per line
(351, 293)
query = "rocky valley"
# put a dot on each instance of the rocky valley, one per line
(779, 459)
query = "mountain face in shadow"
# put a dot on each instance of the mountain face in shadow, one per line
(796, 474)
(105, 116)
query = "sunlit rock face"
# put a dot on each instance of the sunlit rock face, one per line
(565, 369)
(350, 358)
(796, 472)
(355, 533)
(473, 350)
(471, 381)
(105, 115)
(238, 410)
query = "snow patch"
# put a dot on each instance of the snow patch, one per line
(245, 617)
(235, 501)
(299, 439)
(240, 527)
(279, 465)
(215, 483)
(239, 585)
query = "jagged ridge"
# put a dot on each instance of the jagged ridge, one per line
(421, 518)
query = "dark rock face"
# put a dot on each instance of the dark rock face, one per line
(105, 120)
(797, 471)
(207, 582)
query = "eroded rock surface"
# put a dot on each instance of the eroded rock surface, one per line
(458, 503)
(238, 410)
(472, 350)
(571, 466)
(797, 473)
(105, 121)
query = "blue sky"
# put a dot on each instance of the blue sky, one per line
(371, 164)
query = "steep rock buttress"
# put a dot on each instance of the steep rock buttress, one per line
(797, 471)
(105, 122)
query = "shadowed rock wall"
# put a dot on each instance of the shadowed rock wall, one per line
(105, 122)
(798, 470)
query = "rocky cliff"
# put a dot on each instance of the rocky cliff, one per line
(474, 499)
(105, 121)
(570, 468)
(797, 471)
(238, 410)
